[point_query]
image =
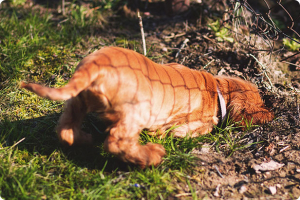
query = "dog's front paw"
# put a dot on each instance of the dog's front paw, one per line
(153, 154)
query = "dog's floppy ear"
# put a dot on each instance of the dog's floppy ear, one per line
(243, 101)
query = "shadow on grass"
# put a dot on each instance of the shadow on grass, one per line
(40, 138)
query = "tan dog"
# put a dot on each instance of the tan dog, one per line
(133, 93)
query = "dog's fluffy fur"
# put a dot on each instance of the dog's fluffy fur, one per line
(133, 93)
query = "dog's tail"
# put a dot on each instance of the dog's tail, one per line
(81, 79)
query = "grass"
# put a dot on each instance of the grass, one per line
(33, 165)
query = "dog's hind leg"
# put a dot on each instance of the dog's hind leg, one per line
(123, 142)
(69, 124)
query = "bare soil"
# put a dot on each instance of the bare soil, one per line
(217, 174)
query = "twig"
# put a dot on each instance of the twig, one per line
(174, 36)
(290, 56)
(181, 47)
(142, 32)
(63, 21)
(63, 7)
(291, 64)
(280, 143)
(183, 59)
(208, 63)
(185, 194)
(283, 149)
(211, 40)
(219, 172)
(298, 110)
(295, 89)
(264, 69)
(17, 143)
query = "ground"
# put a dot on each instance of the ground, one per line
(278, 140)
(221, 166)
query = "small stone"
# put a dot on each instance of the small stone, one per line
(205, 149)
(164, 49)
(243, 189)
(216, 193)
(272, 190)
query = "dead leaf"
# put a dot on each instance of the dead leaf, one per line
(268, 166)
(270, 149)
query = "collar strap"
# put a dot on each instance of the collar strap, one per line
(222, 103)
